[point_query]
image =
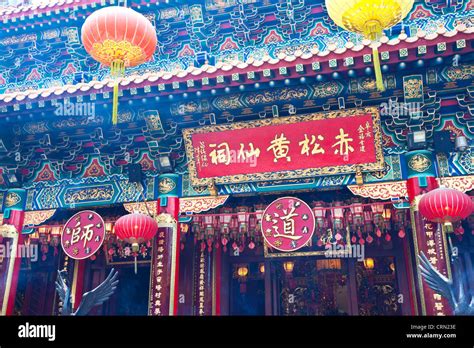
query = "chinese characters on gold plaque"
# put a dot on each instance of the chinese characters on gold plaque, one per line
(298, 146)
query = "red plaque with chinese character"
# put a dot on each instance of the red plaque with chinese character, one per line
(286, 147)
(288, 224)
(83, 235)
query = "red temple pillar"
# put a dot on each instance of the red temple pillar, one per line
(427, 236)
(13, 215)
(164, 273)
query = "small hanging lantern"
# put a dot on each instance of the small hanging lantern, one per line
(369, 263)
(357, 210)
(243, 219)
(242, 271)
(338, 215)
(320, 215)
(225, 220)
(288, 266)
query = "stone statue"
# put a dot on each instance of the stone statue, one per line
(454, 290)
(90, 299)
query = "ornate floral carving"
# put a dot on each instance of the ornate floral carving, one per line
(386, 190)
(38, 217)
(397, 189)
(186, 205)
(140, 207)
(419, 163)
(166, 185)
(200, 204)
(12, 199)
(461, 183)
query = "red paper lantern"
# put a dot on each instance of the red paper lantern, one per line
(445, 206)
(118, 37)
(135, 228)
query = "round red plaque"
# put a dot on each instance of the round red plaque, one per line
(288, 224)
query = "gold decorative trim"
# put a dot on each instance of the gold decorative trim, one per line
(309, 172)
(186, 205)
(398, 189)
(201, 204)
(384, 190)
(140, 207)
(37, 217)
(461, 183)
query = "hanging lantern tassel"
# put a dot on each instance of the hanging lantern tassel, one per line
(117, 69)
(378, 70)
(448, 227)
(135, 248)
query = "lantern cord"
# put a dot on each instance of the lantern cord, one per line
(115, 104)
(441, 174)
(378, 71)
(117, 69)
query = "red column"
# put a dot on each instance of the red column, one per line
(164, 274)
(14, 215)
(427, 236)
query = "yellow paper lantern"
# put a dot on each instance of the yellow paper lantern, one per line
(369, 18)
(369, 263)
(242, 271)
(288, 266)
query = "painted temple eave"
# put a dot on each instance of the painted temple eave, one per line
(17, 13)
(224, 72)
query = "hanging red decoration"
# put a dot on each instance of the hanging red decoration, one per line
(135, 228)
(444, 205)
(118, 37)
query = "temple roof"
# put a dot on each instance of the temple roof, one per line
(252, 64)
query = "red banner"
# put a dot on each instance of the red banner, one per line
(325, 143)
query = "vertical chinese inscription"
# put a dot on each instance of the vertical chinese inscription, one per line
(202, 288)
(158, 298)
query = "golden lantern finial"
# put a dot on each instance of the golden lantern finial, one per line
(369, 18)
